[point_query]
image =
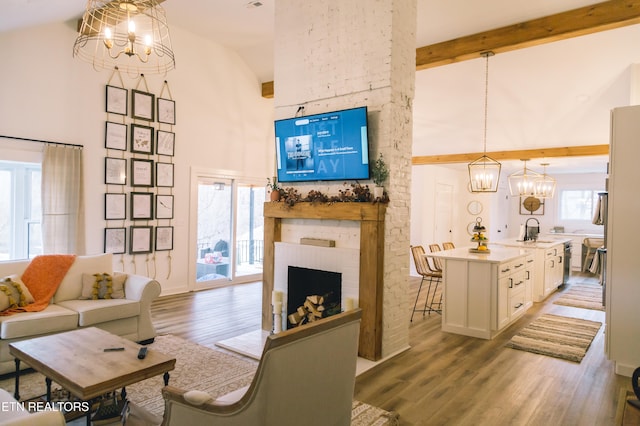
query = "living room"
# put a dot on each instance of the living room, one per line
(223, 125)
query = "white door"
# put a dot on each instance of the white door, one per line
(443, 226)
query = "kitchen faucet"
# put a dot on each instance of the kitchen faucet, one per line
(526, 230)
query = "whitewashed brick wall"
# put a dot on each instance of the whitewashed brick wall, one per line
(333, 55)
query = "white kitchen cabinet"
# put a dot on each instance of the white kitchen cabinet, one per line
(484, 293)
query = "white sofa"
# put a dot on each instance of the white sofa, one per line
(129, 317)
(15, 414)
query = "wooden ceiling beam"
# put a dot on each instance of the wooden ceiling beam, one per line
(573, 23)
(567, 151)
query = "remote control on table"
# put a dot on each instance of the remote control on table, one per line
(142, 352)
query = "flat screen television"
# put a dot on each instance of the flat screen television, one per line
(328, 146)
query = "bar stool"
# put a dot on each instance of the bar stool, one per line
(448, 245)
(591, 245)
(430, 274)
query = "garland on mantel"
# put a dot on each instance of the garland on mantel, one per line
(357, 193)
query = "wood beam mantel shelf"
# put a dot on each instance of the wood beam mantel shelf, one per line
(371, 218)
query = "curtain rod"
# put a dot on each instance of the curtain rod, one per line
(41, 141)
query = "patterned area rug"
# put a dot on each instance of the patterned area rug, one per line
(202, 368)
(582, 296)
(557, 336)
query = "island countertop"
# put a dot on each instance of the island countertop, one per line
(543, 243)
(495, 255)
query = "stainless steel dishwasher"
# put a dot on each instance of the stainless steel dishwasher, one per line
(567, 262)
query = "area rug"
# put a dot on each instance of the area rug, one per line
(557, 336)
(582, 296)
(198, 367)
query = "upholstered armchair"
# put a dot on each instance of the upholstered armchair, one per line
(306, 376)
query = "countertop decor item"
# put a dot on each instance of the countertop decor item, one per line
(479, 237)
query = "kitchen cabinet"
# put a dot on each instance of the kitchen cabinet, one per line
(576, 246)
(484, 293)
(546, 266)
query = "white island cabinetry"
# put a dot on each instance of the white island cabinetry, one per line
(548, 260)
(484, 293)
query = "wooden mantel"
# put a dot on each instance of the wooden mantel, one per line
(371, 218)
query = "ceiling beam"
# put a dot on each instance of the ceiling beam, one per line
(573, 23)
(568, 151)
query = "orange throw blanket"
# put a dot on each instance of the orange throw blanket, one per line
(43, 277)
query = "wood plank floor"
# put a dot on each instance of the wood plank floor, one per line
(444, 379)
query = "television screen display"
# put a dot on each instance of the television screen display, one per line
(329, 146)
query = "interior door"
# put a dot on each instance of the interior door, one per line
(443, 226)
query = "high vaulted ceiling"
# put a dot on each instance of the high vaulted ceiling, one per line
(552, 95)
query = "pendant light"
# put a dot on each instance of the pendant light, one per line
(484, 172)
(545, 185)
(523, 183)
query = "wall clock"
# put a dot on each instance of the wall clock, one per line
(531, 206)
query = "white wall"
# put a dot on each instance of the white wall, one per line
(222, 122)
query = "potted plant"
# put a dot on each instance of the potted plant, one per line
(275, 188)
(379, 174)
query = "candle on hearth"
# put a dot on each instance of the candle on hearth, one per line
(276, 296)
(277, 307)
(348, 304)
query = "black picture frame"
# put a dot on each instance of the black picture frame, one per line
(165, 143)
(115, 171)
(141, 206)
(115, 240)
(142, 105)
(140, 239)
(164, 238)
(115, 136)
(141, 172)
(166, 111)
(115, 206)
(164, 206)
(164, 175)
(116, 100)
(142, 139)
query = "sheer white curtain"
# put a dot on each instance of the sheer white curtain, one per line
(62, 200)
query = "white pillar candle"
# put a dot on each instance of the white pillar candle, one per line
(276, 296)
(348, 304)
(277, 308)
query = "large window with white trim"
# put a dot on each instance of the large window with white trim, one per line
(578, 204)
(20, 215)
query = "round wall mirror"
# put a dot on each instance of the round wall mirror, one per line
(474, 207)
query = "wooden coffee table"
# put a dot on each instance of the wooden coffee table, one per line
(78, 362)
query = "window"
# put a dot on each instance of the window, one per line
(20, 234)
(578, 204)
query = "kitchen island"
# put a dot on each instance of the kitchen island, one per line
(485, 293)
(549, 262)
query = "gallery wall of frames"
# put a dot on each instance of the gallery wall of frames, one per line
(138, 170)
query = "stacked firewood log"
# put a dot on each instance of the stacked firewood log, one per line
(312, 310)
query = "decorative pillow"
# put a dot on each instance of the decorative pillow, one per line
(103, 286)
(14, 293)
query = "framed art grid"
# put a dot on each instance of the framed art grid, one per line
(164, 238)
(115, 206)
(140, 239)
(142, 105)
(115, 240)
(116, 100)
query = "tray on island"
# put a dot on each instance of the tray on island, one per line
(473, 250)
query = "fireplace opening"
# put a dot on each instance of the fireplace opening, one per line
(312, 294)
